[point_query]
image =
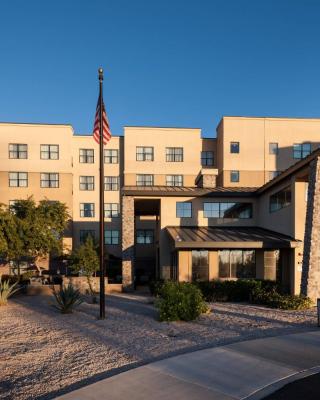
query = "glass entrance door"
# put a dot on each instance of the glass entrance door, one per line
(200, 265)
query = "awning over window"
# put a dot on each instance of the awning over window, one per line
(229, 238)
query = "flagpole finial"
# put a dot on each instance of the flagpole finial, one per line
(100, 70)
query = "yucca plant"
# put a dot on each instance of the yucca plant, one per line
(6, 291)
(67, 298)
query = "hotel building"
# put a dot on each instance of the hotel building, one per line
(245, 204)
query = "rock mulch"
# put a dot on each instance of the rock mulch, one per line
(44, 353)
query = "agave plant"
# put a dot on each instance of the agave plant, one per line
(67, 298)
(6, 291)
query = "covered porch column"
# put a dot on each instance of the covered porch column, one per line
(310, 281)
(127, 242)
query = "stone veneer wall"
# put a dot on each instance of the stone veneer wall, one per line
(127, 242)
(310, 280)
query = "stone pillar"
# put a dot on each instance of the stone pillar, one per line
(310, 280)
(127, 242)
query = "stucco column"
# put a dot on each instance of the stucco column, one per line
(310, 281)
(127, 242)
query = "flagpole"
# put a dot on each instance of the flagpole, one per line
(101, 204)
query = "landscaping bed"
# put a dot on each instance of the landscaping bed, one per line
(44, 352)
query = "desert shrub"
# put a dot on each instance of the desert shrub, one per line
(6, 290)
(233, 290)
(180, 301)
(155, 286)
(23, 279)
(67, 298)
(274, 299)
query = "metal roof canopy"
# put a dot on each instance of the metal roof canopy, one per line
(229, 238)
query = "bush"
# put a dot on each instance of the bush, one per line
(24, 278)
(233, 290)
(6, 290)
(67, 298)
(180, 301)
(155, 286)
(275, 299)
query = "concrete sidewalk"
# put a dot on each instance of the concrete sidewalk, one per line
(244, 370)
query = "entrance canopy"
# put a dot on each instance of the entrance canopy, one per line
(229, 238)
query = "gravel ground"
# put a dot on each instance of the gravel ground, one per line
(44, 353)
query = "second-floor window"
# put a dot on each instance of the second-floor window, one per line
(111, 210)
(234, 147)
(174, 154)
(84, 233)
(49, 180)
(145, 236)
(111, 156)
(86, 183)
(18, 179)
(144, 180)
(174, 180)
(49, 152)
(207, 158)
(111, 236)
(86, 156)
(87, 210)
(17, 150)
(111, 183)
(183, 209)
(301, 150)
(144, 153)
(234, 176)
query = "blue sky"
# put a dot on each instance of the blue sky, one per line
(167, 63)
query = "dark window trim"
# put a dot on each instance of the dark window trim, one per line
(183, 202)
(237, 144)
(49, 152)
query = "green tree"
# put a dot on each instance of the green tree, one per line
(29, 231)
(85, 261)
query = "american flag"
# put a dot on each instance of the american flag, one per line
(105, 124)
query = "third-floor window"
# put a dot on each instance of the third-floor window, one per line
(234, 147)
(301, 150)
(207, 158)
(49, 180)
(17, 150)
(49, 152)
(86, 156)
(174, 180)
(111, 183)
(144, 153)
(174, 154)
(111, 156)
(86, 183)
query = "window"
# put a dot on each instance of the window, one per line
(174, 154)
(183, 210)
(18, 151)
(111, 237)
(144, 153)
(227, 210)
(111, 210)
(234, 176)
(49, 152)
(273, 148)
(273, 174)
(49, 180)
(280, 199)
(301, 150)
(111, 156)
(87, 210)
(18, 179)
(85, 233)
(206, 158)
(234, 147)
(174, 180)
(200, 265)
(111, 183)
(86, 182)
(237, 264)
(86, 156)
(145, 236)
(144, 180)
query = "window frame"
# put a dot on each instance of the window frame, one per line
(144, 236)
(112, 237)
(86, 156)
(18, 179)
(83, 211)
(174, 180)
(238, 174)
(272, 146)
(111, 210)
(173, 156)
(112, 185)
(178, 203)
(204, 157)
(142, 183)
(287, 193)
(235, 276)
(145, 155)
(86, 184)
(49, 180)
(18, 151)
(302, 153)
(220, 209)
(111, 158)
(232, 148)
(49, 151)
